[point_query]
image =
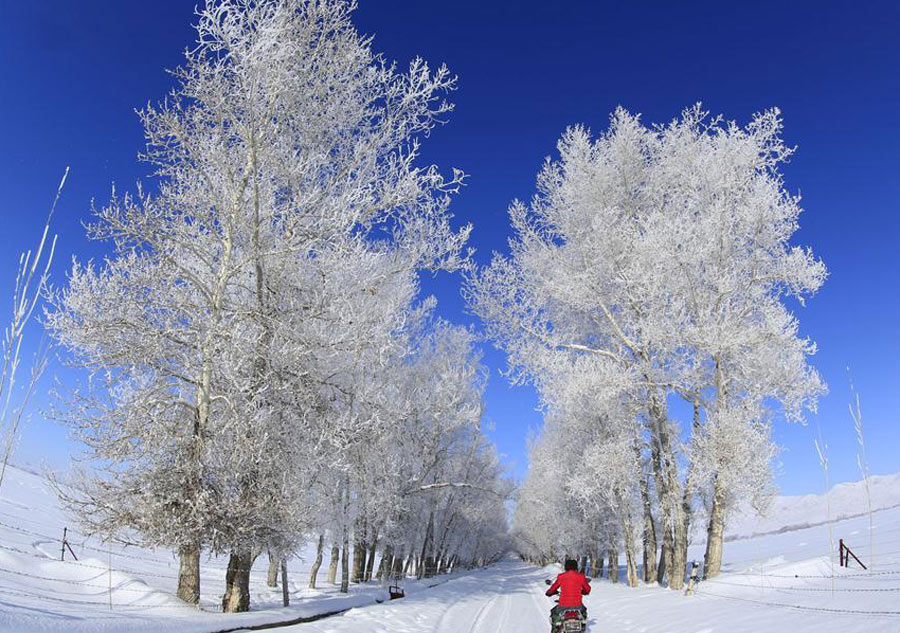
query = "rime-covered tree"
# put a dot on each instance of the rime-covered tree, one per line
(654, 264)
(288, 201)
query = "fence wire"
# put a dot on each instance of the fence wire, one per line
(802, 607)
(100, 571)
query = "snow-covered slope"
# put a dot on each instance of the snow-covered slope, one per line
(792, 512)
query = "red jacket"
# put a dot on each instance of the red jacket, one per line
(571, 586)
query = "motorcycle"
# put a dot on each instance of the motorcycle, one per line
(567, 620)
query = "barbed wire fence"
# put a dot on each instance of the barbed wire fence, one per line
(98, 582)
(776, 589)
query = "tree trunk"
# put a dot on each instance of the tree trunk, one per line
(272, 575)
(189, 573)
(397, 570)
(612, 570)
(345, 563)
(681, 536)
(665, 557)
(712, 562)
(442, 544)
(359, 562)
(237, 582)
(631, 573)
(333, 564)
(373, 551)
(597, 566)
(665, 551)
(649, 541)
(649, 533)
(386, 564)
(359, 552)
(679, 554)
(314, 571)
(427, 560)
(674, 539)
(345, 538)
(285, 594)
(715, 530)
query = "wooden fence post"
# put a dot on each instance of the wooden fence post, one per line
(66, 546)
(846, 553)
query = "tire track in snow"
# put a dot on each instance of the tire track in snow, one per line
(484, 608)
(539, 604)
(448, 621)
(504, 617)
(481, 623)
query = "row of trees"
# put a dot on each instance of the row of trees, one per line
(260, 369)
(647, 296)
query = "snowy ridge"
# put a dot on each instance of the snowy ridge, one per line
(795, 512)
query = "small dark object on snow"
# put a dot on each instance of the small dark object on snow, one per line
(396, 591)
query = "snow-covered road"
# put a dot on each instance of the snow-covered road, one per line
(507, 597)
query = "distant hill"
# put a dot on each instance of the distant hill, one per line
(792, 512)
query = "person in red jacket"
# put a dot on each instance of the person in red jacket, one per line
(571, 585)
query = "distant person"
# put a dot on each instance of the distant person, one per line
(571, 585)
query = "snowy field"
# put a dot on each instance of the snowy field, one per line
(776, 582)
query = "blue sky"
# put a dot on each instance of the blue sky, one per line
(71, 75)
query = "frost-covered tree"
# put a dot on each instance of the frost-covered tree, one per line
(288, 219)
(733, 210)
(654, 264)
(548, 524)
(418, 476)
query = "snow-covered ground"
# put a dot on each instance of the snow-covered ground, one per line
(777, 583)
(782, 581)
(119, 589)
(845, 500)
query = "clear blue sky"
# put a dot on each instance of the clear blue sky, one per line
(71, 74)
